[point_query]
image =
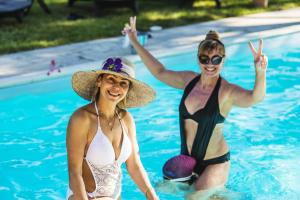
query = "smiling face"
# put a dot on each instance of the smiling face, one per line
(113, 88)
(211, 63)
(211, 54)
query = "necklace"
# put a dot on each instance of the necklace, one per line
(110, 122)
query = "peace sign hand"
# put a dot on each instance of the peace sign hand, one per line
(130, 30)
(260, 60)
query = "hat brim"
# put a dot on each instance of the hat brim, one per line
(139, 94)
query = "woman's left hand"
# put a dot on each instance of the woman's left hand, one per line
(260, 60)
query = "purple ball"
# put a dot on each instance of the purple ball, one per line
(179, 168)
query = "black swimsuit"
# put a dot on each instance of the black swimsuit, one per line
(207, 118)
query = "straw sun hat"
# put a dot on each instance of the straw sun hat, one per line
(139, 93)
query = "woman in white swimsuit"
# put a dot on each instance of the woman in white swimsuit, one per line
(101, 135)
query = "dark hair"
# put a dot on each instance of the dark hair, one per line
(210, 43)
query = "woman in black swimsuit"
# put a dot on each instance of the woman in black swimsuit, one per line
(207, 100)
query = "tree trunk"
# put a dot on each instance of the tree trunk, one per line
(261, 3)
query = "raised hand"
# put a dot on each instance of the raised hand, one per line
(130, 29)
(260, 60)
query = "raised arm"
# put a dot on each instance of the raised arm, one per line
(177, 79)
(246, 98)
(134, 165)
(76, 141)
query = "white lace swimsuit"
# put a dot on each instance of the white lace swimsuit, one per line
(104, 165)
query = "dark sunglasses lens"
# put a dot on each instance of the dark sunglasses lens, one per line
(216, 60)
(204, 59)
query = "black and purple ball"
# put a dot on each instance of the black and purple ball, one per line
(179, 168)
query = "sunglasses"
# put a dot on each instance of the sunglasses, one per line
(215, 60)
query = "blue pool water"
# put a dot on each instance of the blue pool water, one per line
(264, 139)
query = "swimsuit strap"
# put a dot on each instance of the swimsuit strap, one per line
(121, 121)
(97, 114)
(191, 85)
(118, 115)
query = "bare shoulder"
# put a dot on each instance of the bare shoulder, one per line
(79, 116)
(226, 86)
(128, 121)
(228, 89)
(225, 91)
(80, 119)
(127, 117)
(189, 76)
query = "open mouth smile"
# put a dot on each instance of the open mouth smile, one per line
(113, 94)
(211, 69)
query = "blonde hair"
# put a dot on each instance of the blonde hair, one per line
(210, 43)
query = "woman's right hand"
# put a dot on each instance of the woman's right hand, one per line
(130, 29)
(151, 195)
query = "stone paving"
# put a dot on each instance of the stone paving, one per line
(27, 65)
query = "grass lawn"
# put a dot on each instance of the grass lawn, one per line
(40, 30)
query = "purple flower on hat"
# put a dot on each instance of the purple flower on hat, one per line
(113, 65)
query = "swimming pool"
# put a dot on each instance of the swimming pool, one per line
(264, 139)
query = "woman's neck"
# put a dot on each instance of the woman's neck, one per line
(208, 82)
(106, 108)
